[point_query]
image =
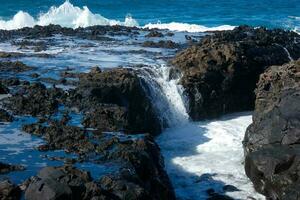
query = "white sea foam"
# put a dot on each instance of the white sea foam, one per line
(204, 155)
(175, 26)
(68, 15)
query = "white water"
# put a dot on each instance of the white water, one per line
(209, 154)
(166, 95)
(68, 15)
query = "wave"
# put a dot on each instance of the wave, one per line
(175, 26)
(68, 15)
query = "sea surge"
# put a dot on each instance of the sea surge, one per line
(68, 15)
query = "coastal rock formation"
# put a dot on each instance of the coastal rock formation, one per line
(141, 172)
(6, 168)
(9, 191)
(220, 73)
(271, 143)
(117, 96)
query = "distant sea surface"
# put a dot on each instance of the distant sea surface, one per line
(188, 15)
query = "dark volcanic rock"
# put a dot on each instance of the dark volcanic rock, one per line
(57, 183)
(272, 141)
(221, 72)
(121, 88)
(9, 191)
(5, 116)
(6, 168)
(3, 89)
(141, 173)
(168, 44)
(14, 67)
(154, 33)
(34, 99)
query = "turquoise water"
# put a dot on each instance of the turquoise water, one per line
(209, 13)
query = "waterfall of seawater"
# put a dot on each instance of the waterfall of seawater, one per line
(166, 95)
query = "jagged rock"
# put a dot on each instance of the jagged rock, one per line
(6, 168)
(220, 73)
(5, 116)
(154, 33)
(16, 67)
(141, 174)
(9, 191)
(168, 44)
(57, 183)
(34, 99)
(123, 89)
(272, 141)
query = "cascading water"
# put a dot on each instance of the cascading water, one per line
(166, 95)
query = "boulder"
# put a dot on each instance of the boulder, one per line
(272, 141)
(9, 191)
(220, 73)
(116, 98)
(6, 168)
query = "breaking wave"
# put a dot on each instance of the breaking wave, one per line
(68, 15)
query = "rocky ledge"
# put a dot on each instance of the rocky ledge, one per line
(220, 73)
(271, 143)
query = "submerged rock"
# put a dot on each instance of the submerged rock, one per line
(221, 72)
(272, 141)
(168, 44)
(34, 99)
(16, 67)
(6, 168)
(141, 172)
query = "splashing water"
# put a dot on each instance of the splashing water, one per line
(66, 15)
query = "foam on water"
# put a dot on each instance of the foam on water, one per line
(193, 28)
(205, 155)
(66, 15)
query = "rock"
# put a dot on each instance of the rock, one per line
(6, 168)
(34, 99)
(154, 33)
(9, 191)
(271, 143)
(57, 183)
(168, 44)
(123, 89)
(220, 73)
(3, 89)
(141, 173)
(106, 118)
(5, 116)
(16, 67)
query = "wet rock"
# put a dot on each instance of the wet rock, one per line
(121, 88)
(168, 44)
(64, 182)
(10, 54)
(34, 99)
(154, 33)
(141, 173)
(106, 118)
(220, 73)
(16, 67)
(6, 168)
(9, 191)
(5, 116)
(271, 143)
(3, 89)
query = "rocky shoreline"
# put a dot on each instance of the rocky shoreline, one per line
(117, 119)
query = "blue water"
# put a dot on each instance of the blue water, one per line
(210, 13)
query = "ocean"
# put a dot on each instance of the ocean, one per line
(188, 15)
(199, 156)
